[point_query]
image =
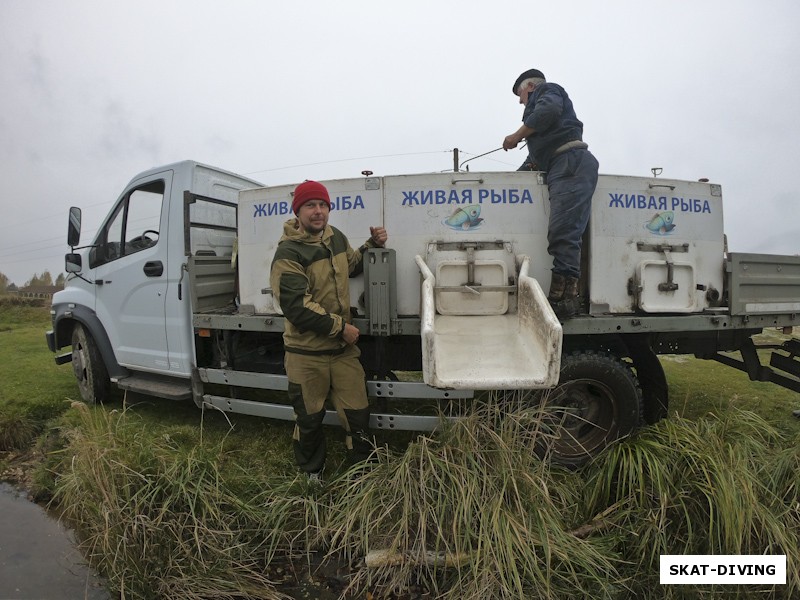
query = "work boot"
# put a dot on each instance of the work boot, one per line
(557, 285)
(563, 296)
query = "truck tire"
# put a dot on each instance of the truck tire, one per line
(596, 402)
(89, 368)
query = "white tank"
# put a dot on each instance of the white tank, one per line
(653, 245)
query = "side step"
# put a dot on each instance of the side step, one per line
(170, 388)
(519, 350)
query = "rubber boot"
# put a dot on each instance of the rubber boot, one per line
(309, 442)
(361, 445)
(308, 438)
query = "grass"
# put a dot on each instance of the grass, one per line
(175, 503)
(32, 384)
(471, 513)
(17, 432)
(724, 485)
(170, 519)
(701, 387)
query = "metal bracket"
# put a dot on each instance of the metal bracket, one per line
(471, 247)
(464, 246)
(476, 289)
(644, 247)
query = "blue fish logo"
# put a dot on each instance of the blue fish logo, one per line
(662, 223)
(465, 218)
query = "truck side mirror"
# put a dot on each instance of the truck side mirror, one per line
(73, 263)
(74, 229)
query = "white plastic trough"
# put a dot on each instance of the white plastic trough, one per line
(520, 350)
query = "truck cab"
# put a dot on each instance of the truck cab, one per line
(124, 310)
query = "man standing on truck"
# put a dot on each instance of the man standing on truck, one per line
(309, 278)
(555, 145)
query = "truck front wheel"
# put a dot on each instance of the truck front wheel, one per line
(89, 368)
(596, 402)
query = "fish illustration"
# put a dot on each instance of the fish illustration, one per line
(464, 218)
(662, 222)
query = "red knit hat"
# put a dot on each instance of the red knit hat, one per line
(309, 190)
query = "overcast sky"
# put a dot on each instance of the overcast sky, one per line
(93, 92)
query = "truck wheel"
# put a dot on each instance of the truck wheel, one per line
(89, 368)
(596, 402)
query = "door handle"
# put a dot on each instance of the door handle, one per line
(154, 268)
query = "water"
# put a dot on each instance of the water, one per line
(38, 557)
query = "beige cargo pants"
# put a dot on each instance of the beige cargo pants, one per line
(313, 379)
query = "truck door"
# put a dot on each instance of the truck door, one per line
(129, 267)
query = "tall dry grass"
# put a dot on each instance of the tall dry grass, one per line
(468, 513)
(164, 520)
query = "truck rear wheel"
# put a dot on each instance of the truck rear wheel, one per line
(89, 368)
(596, 402)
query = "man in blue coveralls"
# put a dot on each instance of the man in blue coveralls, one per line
(554, 136)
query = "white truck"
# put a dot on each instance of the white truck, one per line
(171, 298)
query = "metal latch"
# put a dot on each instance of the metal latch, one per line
(470, 264)
(669, 285)
(666, 249)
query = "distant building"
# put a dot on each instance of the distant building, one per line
(36, 291)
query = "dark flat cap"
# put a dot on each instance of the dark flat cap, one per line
(526, 75)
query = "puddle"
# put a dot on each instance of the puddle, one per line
(38, 557)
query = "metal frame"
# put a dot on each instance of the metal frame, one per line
(376, 389)
(581, 325)
(286, 413)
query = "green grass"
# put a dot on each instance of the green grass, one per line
(702, 387)
(31, 384)
(172, 502)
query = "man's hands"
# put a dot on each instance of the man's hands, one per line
(350, 333)
(378, 235)
(513, 140)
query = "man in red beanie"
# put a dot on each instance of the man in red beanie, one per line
(309, 279)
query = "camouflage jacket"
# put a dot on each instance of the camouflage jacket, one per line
(309, 280)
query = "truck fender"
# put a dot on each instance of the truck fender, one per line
(651, 376)
(88, 318)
